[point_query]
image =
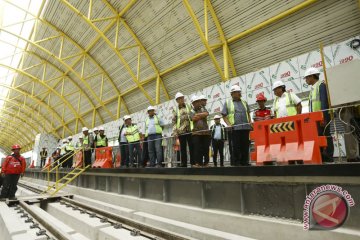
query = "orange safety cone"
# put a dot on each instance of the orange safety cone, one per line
(32, 164)
(118, 160)
(48, 162)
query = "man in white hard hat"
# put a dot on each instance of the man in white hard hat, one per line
(203, 100)
(123, 144)
(236, 115)
(100, 139)
(94, 133)
(318, 101)
(153, 132)
(182, 127)
(200, 133)
(87, 143)
(69, 148)
(133, 138)
(285, 103)
(43, 156)
(218, 137)
(79, 144)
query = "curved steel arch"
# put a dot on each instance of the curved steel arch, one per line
(141, 45)
(22, 119)
(82, 80)
(11, 139)
(15, 129)
(15, 115)
(111, 45)
(30, 110)
(85, 51)
(54, 113)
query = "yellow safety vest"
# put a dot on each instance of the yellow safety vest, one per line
(133, 134)
(86, 140)
(314, 95)
(101, 142)
(70, 147)
(231, 110)
(188, 110)
(158, 128)
(290, 106)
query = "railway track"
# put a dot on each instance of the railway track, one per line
(39, 211)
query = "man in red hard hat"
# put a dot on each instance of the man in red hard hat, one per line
(262, 113)
(13, 166)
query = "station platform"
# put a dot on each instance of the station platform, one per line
(272, 191)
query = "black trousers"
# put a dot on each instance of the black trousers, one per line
(9, 185)
(87, 157)
(42, 162)
(201, 149)
(232, 162)
(124, 153)
(69, 162)
(240, 146)
(186, 139)
(218, 147)
(328, 152)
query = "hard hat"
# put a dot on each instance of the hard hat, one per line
(194, 98)
(85, 129)
(16, 146)
(126, 117)
(81, 137)
(311, 71)
(217, 117)
(202, 97)
(261, 97)
(101, 129)
(235, 88)
(69, 137)
(179, 95)
(95, 129)
(278, 84)
(150, 108)
(65, 141)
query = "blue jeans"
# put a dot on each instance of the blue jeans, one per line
(135, 156)
(155, 149)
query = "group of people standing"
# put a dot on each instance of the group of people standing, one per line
(190, 126)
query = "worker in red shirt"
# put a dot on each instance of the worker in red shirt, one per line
(13, 166)
(262, 113)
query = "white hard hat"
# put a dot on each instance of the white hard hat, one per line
(95, 129)
(150, 108)
(194, 98)
(85, 129)
(311, 71)
(235, 88)
(126, 117)
(101, 129)
(65, 141)
(278, 84)
(81, 137)
(202, 97)
(69, 137)
(178, 95)
(217, 117)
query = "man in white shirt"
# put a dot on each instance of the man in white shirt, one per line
(123, 145)
(285, 103)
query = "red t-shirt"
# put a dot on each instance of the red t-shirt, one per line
(262, 114)
(13, 165)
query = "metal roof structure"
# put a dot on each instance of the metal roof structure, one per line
(88, 62)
